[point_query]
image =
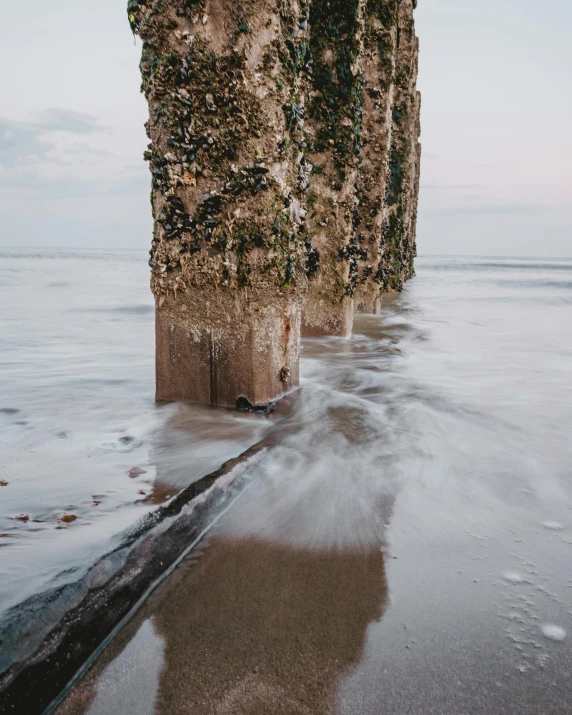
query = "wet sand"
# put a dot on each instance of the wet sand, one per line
(247, 627)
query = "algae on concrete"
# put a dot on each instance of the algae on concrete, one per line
(284, 159)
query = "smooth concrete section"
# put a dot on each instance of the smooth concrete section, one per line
(227, 350)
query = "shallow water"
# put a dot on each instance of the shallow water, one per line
(77, 381)
(405, 548)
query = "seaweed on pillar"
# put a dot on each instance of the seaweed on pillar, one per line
(398, 244)
(228, 259)
(332, 146)
(379, 70)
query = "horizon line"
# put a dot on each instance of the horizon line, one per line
(421, 255)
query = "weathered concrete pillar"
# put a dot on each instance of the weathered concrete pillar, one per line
(228, 265)
(221, 348)
(333, 131)
(362, 129)
(379, 70)
(397, 248)
(407, 129)
(271, 191)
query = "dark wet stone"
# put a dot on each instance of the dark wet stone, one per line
(37, 677)
(254, 170)
(243, 405)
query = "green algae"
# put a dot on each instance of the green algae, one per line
(212, 85)
(334, 46)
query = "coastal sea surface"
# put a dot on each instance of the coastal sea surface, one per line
(404, 547)
(77, 412)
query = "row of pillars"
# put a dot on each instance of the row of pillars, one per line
(285, 159)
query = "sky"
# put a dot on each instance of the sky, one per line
(496, 117)
(496, 127)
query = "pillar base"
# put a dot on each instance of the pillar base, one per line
(321, 318)
(226, 349)
(369, 306)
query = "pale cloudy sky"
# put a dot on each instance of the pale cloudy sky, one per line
(497, 112)
(497, 118)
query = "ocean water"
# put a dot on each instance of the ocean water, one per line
(77, 412)
(421, 490)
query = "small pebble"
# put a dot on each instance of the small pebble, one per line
(552, 632)
(141, 492)
(135, 471)
(3, 483)
(3, 534)
(512, 577)
(67, 518)
(22, 517)
(552, 525)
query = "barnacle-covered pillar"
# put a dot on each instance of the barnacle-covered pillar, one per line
(390, 185)
(229, 254)
(362, 130)
(285, 168)
(379, 70)
(333, 141)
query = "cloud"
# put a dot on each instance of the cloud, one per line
(70, 187)
(19, 140)
(490, 209)
(66, 120)
(22, 141)
(52, 157)
(445, 187)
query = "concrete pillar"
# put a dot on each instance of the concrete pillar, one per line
(397, 249)
(379, 70)
(220, 347)
(284, 161)
(333, 135)
(228, 263)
